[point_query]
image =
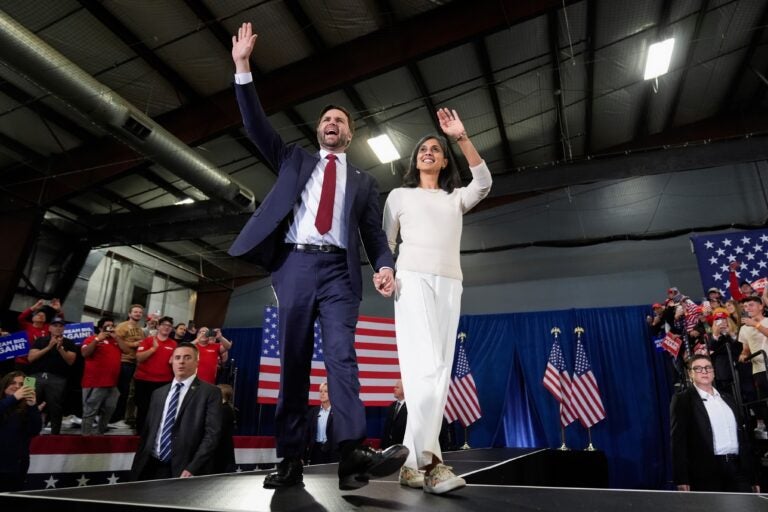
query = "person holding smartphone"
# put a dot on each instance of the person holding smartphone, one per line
(211, 346)
(100, 376)
(20, 421)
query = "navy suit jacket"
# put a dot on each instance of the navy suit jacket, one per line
(394, 426)
(262, 239)
(196, 432)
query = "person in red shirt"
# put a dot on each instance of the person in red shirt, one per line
(34, 320)
(100, 375)
(211, 345)
(153, 367)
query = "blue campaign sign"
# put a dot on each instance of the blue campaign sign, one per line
(78, 332)
(14, 345)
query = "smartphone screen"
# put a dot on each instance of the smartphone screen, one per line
(30, 382)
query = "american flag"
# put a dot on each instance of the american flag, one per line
(586, 395)
(558, 382)
(377, 361)
(462, 404)
(715, 252)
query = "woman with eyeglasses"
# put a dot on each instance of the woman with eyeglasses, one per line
(710, 445)
(20, 421)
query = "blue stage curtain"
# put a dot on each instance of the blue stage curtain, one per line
(509, 352)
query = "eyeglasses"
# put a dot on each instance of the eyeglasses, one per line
(703, 369)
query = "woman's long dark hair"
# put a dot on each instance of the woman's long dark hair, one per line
(449, 176)
(21, 407)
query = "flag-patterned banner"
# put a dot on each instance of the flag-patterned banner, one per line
(585, 397)
(714, 253)
(558, 382)
(463, 404)
(672, 343)
(79, 461)
(376, 350)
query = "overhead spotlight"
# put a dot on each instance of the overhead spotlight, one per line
(659, 56)
(187, 200)
(384, 148)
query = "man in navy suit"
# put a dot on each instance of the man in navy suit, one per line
(306, 232)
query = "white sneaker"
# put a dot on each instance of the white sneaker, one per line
(760, 432)
(412, 478)
(119, 424)
(441, 480)
(75, 420)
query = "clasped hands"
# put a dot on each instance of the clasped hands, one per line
(384, 281)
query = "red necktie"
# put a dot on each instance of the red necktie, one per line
(324, 217)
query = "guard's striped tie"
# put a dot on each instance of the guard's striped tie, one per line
(166, 436)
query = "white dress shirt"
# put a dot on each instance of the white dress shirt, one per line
(322, 425)
(302, 230)
(186, 384)
(723, 422)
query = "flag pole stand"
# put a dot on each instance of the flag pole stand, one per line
(466, 446)
(590, 447)
(563, 446)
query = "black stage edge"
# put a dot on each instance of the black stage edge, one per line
(244, 492)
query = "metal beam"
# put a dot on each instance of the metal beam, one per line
(481, 50)
(561, 139)
(688, 64)
(450, 25)
(641, 125)
(744, 66)
(646, 163)
(130, 39)
(589, 62)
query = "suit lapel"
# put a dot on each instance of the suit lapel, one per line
(353, 183)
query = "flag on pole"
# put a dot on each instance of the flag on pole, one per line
(586, 395)
(715, 252)
(558, 382)
(377, 361)
(463, 404)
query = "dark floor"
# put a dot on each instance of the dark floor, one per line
(244, 492)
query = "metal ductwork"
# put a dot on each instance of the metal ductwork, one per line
(41, 64)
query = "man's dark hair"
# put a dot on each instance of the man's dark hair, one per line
(350, 121)
(185, 344)
(102, 321)
(698, 357)
(751, 298)
(742, 283)
(165, 319)
(179, 325)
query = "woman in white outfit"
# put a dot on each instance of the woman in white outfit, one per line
(427, 213)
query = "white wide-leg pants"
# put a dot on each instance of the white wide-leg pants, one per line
(427, 311)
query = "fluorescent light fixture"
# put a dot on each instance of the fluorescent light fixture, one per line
(188, 200)
(659, 55)
(384, 149)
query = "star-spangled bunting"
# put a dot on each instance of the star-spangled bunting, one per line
(585, 397)
(463, 404)
(715, 252)
(376, 350)
(558, 382)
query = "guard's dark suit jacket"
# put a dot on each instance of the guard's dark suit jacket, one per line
(693, 456)
(394, 426)
(196, 432)
(262, 238)
(331, 446)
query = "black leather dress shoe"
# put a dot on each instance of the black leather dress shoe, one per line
(362, 463)
(289, 472)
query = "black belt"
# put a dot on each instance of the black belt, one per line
(316, 248)
(728, 457)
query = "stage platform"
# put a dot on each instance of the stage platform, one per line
(244, 492)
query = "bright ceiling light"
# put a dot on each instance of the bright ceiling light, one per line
(659, 56)
(188, 200)
(384, 148)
